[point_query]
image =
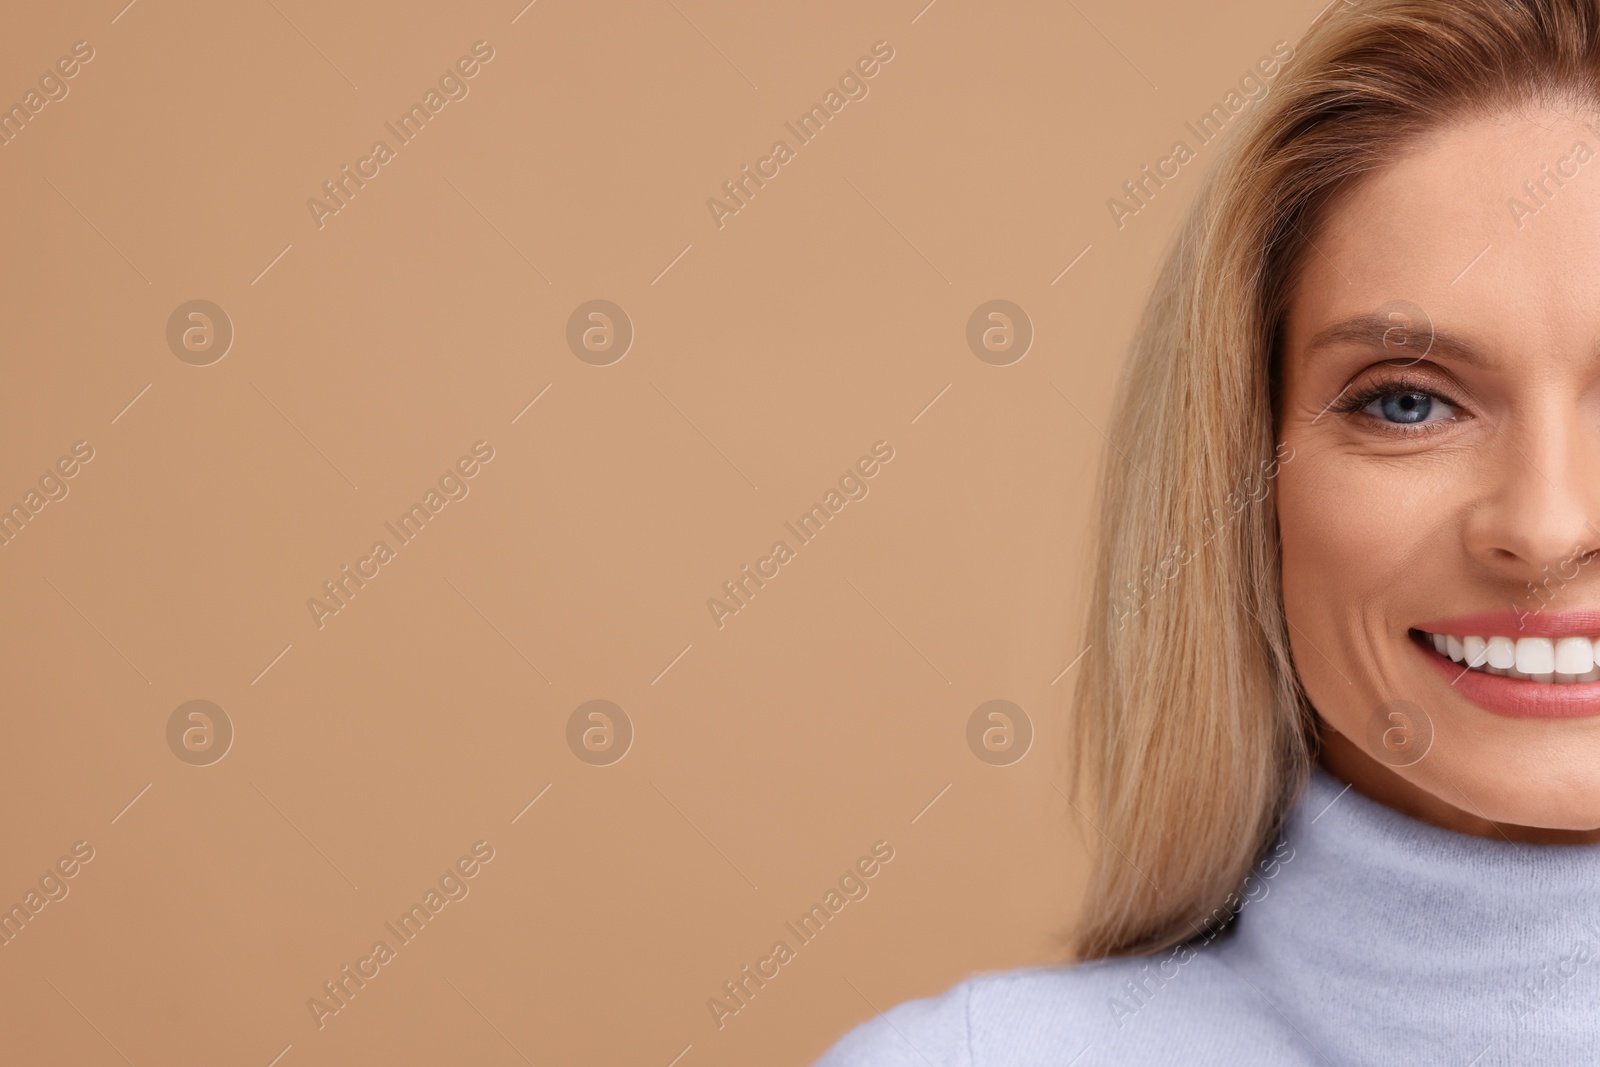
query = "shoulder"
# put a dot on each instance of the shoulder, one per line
(1130, 1009)
(1009, 1017)
(936, 1029)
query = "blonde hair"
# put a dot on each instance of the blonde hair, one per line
(1192, 735)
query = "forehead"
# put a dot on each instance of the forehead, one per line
(1491, 226)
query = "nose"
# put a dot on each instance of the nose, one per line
(1541, 509)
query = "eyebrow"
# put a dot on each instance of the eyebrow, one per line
(1368, 330)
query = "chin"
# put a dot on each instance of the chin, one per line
(1540, 787)
(1504, 729)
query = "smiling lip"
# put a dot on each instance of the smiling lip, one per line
(1514, 698)
(1513, 623)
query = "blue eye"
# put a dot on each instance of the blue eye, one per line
(1409, 408)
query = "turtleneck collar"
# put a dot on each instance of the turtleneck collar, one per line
(1398, 941)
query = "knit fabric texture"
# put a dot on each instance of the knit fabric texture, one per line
(1366, 938)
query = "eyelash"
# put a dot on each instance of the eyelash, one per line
(1353, 403)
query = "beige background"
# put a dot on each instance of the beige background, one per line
(772, 353)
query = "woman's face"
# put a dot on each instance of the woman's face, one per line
(1441, 394)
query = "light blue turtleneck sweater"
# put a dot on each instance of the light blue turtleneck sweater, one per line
(1379, 940)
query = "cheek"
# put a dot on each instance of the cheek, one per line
(1365, 549)
(1371, 533)
(1339, 523)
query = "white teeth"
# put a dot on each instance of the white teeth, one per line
(1477, 650)
(1536, 655)
(1557, 661)
(1574, 655)
(1502, 652)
